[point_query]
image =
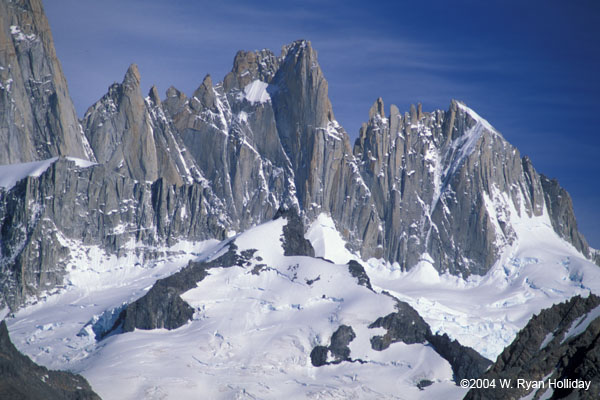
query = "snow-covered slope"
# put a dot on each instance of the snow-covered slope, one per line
(254, 325)
(538, 270)
(251, 335)
(483, 312)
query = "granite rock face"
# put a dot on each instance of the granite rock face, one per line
(444, 187)
(560, 208)
(37, 117)
(325, 172)
(267, 138)
(21, 378)
(131, 135)
(402, 193)
(445, 184)
(43, 218)
(560, 343)
(229, 130)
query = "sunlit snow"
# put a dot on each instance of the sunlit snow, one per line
(256, 92)
(251, 335)
(10, 174)
(255, 326)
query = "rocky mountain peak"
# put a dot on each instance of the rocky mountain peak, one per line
(416, 186)
(249, 66)
(206, 94)
(132, 78)
(174, 102)
(377, 109)
(37, 117)
(135, 138)
(437, 192)
(154, 96)
(297, 48)
(119, 132)
(301, 79)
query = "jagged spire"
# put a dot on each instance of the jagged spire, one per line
(132, 77)
(377, 109)
(154, 96)
(206, 94)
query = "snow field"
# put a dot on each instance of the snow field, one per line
(486, 312)
(255, 326)
(251, 335)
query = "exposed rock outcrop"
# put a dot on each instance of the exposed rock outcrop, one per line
(162, 307)
(338, 348)
(293, 241)
(37, 117)
(560, 343)
(358, 271)
(41, 217)
(21, 378)
(131, 135)
(407, 326)
(562, 215)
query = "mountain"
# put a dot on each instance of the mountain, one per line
(130, 135)
(437, 178)
(238, 231)
(443, 185)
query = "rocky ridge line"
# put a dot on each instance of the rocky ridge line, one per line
(443, 185)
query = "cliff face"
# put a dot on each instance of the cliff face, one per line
(560, 208)
(447, 184)
(43, 217)
(443, 185)
(266, 137)
(37, 117)
(131, 136)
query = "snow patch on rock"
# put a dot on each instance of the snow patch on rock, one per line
(255, 92)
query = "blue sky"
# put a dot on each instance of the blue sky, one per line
(531, 68)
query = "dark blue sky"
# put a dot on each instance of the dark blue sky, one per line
(529, 67)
